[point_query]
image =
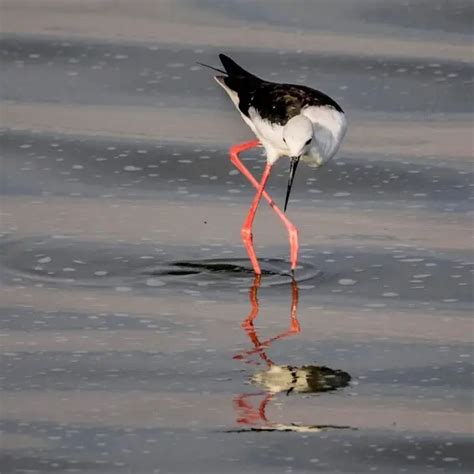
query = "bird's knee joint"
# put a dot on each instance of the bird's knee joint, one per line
(246, 233)
(293, 232)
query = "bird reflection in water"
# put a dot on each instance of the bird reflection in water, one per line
(277, 379)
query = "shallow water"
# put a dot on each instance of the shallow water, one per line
(134, 336)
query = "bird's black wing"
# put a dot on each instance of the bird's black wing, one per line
(278, 103)
(274, 102)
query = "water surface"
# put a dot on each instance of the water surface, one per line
(135, 337)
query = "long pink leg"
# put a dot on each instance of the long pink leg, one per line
(246, 231)
(291, 228)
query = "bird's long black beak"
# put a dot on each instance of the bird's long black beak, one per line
(293, 165)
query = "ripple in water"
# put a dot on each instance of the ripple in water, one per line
(63, 261)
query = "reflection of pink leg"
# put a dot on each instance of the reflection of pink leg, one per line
(247, 414)
(292, 230)
(248, 326)
(248, 322)
(263, 405)
(295, 325)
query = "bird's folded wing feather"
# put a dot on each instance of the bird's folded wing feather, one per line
(276, 103)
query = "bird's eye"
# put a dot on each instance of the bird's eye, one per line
(308, 141)
(284, 140)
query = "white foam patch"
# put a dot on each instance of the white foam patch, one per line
(347, 281)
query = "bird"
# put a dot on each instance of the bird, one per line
(288, 120)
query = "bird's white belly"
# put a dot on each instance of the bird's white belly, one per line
(271, 136)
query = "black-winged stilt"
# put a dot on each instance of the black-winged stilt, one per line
(288, 120)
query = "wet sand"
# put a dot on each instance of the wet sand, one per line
(134, 337)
